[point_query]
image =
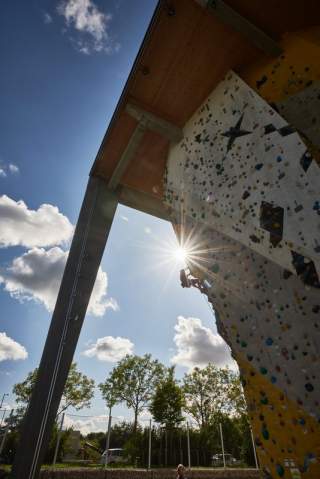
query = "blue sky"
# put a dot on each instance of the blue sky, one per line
(64, 64)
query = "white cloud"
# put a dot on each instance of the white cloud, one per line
(85, 426)
(197, 345)
(110, 349)
(86, 19)
(47, 18)
(10, 349)
(5, 169)
(144, 418)
(19, 225)
(37, 274)
(14, 169)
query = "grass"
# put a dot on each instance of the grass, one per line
(75, 465)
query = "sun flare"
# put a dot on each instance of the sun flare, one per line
(180, 254)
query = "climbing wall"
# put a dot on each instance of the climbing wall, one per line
(243, 188)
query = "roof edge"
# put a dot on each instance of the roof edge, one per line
(121, 100)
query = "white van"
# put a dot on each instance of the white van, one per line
(114, 455)
(217, 460)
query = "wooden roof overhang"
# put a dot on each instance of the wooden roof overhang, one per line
(188, 48)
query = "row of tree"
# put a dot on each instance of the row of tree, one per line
(209, 396)
(142, 382)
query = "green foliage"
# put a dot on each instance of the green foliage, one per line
(236, 397)
(109, 392)
(167, 402)
(90, 449)
(78, 391)
(135, 446)
(246, 451)
(98, 439)
(10, 447)
(210, 391)
(120, 434)
(232, 436)
(169, 447)
(12, 440)
(52, 445)
(133, 381)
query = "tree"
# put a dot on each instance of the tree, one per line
(167, 403)
(236, 397)
(78, 390)
(109, 392)
(212, 390)
(134, 381)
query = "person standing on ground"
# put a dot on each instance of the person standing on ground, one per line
(181, 471)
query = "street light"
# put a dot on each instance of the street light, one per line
(4, 412)
(3, 396)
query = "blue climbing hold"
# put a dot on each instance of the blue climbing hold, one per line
(280, 470)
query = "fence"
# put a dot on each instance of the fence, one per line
(154, 446)
(82, 439)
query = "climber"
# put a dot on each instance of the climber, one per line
(187, 281)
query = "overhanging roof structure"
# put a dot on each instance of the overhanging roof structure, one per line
(189, 47)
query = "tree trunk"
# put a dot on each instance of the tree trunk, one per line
(166, 448)
(135, 424)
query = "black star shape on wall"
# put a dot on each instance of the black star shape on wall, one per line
(235, 132)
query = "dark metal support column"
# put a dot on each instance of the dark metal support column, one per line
(86, 251)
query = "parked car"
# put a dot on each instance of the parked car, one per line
(217, 460)
(114, 456)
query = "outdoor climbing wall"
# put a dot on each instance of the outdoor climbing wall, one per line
(244, 187)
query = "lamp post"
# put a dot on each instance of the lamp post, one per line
(149, 446)
(4, 412)
(188, 446)
(2, 399)
(108, 438)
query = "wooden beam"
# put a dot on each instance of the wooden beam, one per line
(142, 202)
(146, 121)
(239, 23)
(159, 125)
(127, 155)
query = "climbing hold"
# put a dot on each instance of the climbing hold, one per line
(271, 219)
(309, 387)
(280, 470)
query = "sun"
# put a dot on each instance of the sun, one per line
(180, 254)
